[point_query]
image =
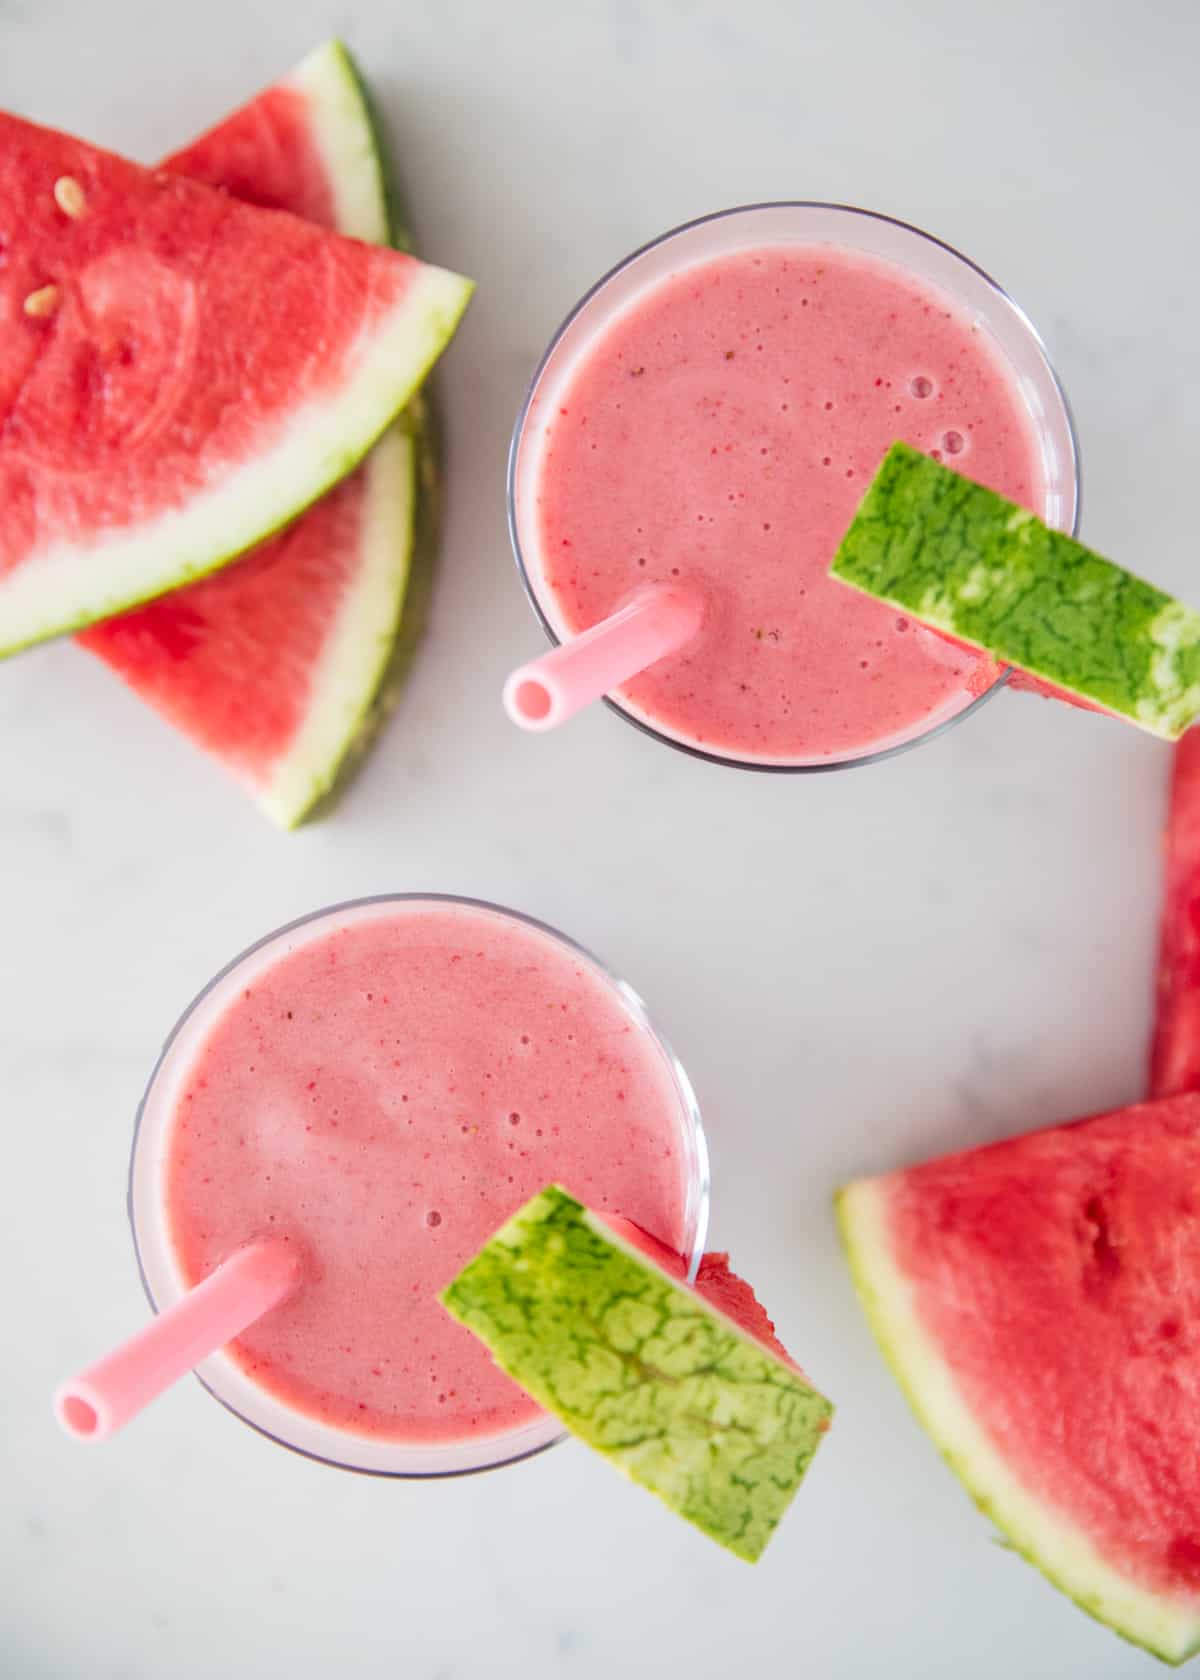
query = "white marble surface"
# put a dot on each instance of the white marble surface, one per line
(858, 969)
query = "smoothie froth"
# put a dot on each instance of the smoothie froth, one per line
(385, 1096)
(720, 432)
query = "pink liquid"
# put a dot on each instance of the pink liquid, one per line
(720, 432)
(385, 1097)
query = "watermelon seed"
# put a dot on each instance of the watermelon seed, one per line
(920, 386)
(68, 195)
(43, 302)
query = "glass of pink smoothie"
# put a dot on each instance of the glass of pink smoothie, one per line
(382, 1084)
(709, 416)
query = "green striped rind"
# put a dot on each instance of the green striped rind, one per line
(641, 1369)
(1063, 1552)
(403, 503)
(968, 562)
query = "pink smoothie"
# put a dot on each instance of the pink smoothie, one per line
(720, 432)
(384, 1097)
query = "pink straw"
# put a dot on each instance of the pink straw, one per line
(101, 1399)
(549, 690)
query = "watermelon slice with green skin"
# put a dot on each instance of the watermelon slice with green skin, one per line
(1039, 1302)
(715, 1281)
(668, 1388)
(275, 665)
(1175, 1052)
(965, 561)
(180, 374)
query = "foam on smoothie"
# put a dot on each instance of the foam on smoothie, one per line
(385, 1097)
(720, 432)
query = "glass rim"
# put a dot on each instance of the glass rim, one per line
(698, 1186)
(762, 766)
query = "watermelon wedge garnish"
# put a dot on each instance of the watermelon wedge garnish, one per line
(276, 666)
(715, 1282)
(965, 561)
(180, 374)
(663, 1383)
(1175, 1052)
(1039, 1302)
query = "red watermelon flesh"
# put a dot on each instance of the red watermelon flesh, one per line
(732, 1295)
(240, 661)
(1175, 1052)
(179, 374)
(1039, 1301)
(267, 617)
(267, 153)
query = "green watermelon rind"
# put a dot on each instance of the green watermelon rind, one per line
(673, 1393)
(383, 677)
(321, 445)
(357, 678)
(342, 711)
(387, 188)
(965, 561)
(329, 783)
(1060, 1550)
(348, 137)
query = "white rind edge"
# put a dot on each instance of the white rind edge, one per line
(322, 442)
(356, 653)
(354, 659)
(345, 139)
(1064, 1554)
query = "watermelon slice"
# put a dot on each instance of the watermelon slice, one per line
(1039, 1302)
(276, 666)
(715, 1281)
(989, 573)
(180, 374)
(1175, 1052)
(668, 1388)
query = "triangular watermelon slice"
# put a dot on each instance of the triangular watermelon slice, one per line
(1175, 1052)
(275, 665)
(1039, 1302)
(180, 374)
